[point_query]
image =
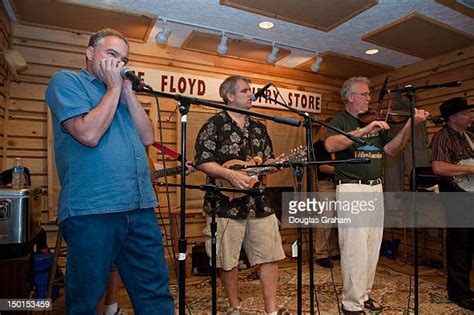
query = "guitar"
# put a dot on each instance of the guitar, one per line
(465, 182)
(296, 154)
(155, 174)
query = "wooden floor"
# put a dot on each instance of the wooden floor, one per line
(437, 276)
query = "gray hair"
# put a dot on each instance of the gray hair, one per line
(346, 88)
(228, 86)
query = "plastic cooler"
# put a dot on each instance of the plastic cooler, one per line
(42, 267)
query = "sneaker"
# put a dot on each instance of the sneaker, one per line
(370, 305)
(346, 312)
(281, 311)
(234, 311)
(337, 257)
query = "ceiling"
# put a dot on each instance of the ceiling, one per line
(405, 31)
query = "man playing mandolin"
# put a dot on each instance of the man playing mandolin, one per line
(450, 145)
(249, 220)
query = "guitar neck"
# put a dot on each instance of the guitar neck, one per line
(295, 155)
(166, 172)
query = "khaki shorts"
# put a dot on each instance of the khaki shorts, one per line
(259, 236)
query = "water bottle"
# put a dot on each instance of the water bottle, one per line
(18, 175)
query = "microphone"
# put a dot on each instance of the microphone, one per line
(138, 83)
(287, 121)
(260, 92)
(451, 84)
(432, 86)
(437, 120)
(383, 91)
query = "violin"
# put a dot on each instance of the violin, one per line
(393, 117)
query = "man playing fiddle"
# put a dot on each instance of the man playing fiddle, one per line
(360, 246)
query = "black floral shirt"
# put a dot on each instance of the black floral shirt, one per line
(220, 140)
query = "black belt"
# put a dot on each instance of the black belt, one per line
(370, 182)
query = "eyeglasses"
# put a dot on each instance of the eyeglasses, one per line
(365, 94)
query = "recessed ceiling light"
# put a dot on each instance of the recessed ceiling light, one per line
(372, 51)
(266, 25)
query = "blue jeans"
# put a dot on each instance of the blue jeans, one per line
(132, 240)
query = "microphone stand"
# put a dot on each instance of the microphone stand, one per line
(184, 106)
(214, 191)
(309, 121)
(410, 91)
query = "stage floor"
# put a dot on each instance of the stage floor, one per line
(391, 287)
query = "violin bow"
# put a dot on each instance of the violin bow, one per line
(388, 109)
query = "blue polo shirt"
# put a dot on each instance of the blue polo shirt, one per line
(111, 177)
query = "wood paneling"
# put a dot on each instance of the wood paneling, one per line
(457, 65)
(5, 39)
(26, 128)
(28, 106)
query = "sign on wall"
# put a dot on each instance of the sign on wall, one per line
(208, 88)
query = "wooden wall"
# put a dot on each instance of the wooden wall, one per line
(457, 65)
(5, 38)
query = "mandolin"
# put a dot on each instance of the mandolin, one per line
(296, 154)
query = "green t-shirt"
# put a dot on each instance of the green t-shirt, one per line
(373, 150)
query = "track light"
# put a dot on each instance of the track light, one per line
(222, 48)
(164, 34)
(272, 58)
(317, 63)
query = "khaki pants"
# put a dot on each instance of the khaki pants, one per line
(260, 238)
(360, 246)
(326, 240)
